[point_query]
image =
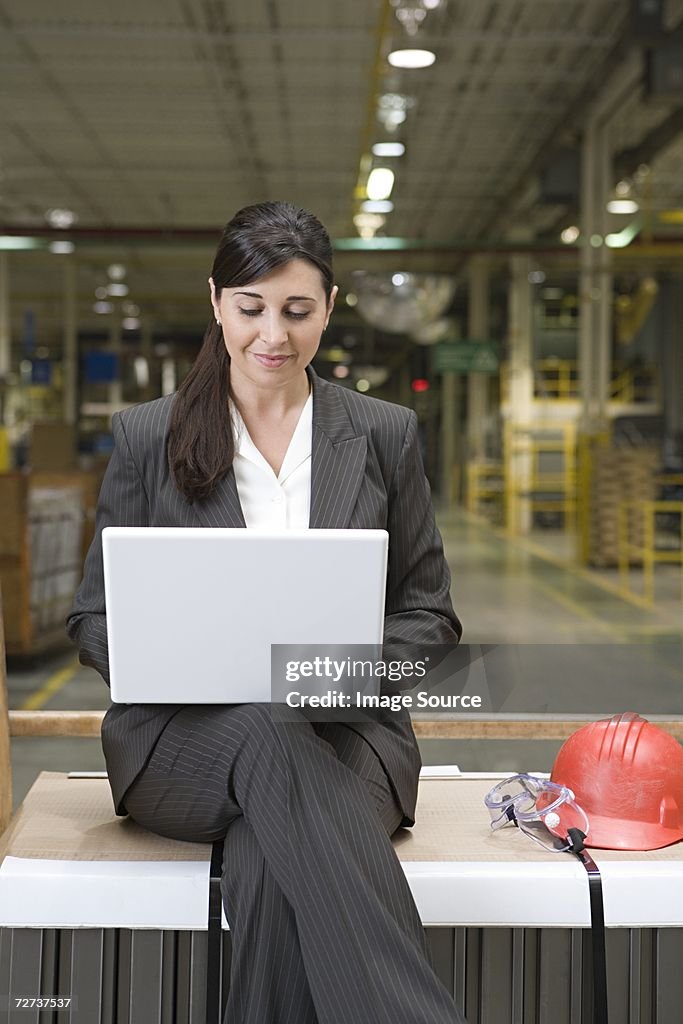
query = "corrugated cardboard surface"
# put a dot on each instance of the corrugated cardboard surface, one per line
(73, 819)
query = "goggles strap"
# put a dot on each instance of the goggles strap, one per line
(597, 931)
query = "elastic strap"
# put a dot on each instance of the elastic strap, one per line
(213, 954)
(597, 927)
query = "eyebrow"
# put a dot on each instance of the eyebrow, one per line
(290, 298)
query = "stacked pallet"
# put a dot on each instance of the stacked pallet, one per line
(618, 475)
(45, 520)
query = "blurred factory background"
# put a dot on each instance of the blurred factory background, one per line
(503, 182)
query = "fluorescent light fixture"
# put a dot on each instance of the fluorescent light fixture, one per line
(19, 242)
(380, 183)
(620, 239)
(103, 307)
(118, 291)
(388, 149)
(141, 368)
(61, 248)
(60, 217)
(431, 5)
(622, 206)
(130, 323)
(377, 206)
(411, 58)
(570, 234)
(368, 221)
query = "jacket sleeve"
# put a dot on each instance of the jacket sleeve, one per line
(122, 502)
(418, 608)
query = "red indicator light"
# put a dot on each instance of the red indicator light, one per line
(420, 384)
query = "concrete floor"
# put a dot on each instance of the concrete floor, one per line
(570, 645)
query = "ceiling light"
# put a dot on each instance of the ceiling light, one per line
(377, 206)
(130, 323)
(620, 239)
(431, 5)
(392, 108)
(596, 241)
(19, 242)
(116, 271)
(60, 217)
(411, 58)
(368, 221)
(130, 309)
(398, 279)
(362, 384)
(340, 372)
(141, 368)
(623, 188)
(61, 248)
(380, 183)
(536, 277)
(622, 206)
(101, 293)
(388, 149)
(570, 234)
(117, 290)
(103, 307)
(351, 299)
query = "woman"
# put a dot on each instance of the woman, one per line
(323, 924)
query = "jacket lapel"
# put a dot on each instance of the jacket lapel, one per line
(223, 507)
(338, 459)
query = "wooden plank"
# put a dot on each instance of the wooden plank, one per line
(55, 723)
(506, 729)
(88, 723)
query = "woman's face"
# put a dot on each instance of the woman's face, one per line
(272, 327)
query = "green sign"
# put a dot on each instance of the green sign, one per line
(465, 357)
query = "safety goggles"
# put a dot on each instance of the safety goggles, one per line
(546, 811)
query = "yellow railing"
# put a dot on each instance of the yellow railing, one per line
(558, 380)
(485, 490)
(526, 480)
(639, 518)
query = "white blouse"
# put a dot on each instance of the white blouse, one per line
(269, 501)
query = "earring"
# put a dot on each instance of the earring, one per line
(217, 321)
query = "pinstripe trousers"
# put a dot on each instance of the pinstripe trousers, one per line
(323, 924)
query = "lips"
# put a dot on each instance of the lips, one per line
(272, 362)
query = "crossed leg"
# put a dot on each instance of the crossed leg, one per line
(324, 926)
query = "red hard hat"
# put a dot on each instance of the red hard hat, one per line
(627, 775)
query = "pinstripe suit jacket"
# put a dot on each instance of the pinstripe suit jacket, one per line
(366, 472)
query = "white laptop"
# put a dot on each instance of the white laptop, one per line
(192, 612)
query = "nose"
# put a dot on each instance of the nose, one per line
(273, 329)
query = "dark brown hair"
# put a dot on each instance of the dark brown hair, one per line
(257, 240)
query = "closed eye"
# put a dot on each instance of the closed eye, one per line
(289, 313)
